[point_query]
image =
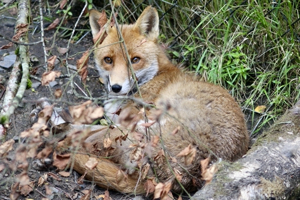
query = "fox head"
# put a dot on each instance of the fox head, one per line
(141, 50)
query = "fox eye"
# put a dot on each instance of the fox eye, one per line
(108, 60)
(135, 60)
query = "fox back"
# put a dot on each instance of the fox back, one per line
(189, 115)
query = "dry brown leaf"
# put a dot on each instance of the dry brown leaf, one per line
(64, 173)
(204, 164)
(7, 46)
(155, 140)
(42, 180)
(260, 109)
(160, 157)
(176, 130)
(162, 191)
(138, 136)
(21, 29)
(25, 185)
(189, 154)
(6, 147)
(106, 195)
(101, 21)
(121, 138)
(14, 193)
(48, 77)
(53, 24)
(82, 65)
(51, 62)
(61, 161)
(45, 152)
(91, 163)
(147, 125)
(23, 178)
(85, 113)
(101, 196)
(21, 155)
(145, 170)
(129, 117)
(54, 176)
(39, 126)
(57, 93)
(179, 198)
(26, 189)
(208, 174)
(62, 51)
(173, 159)
(149, 186)
(48, 190)
(178, 175)
(107, 143)
(80, 180)
(96, 113)
(62, 3)
(87, 194)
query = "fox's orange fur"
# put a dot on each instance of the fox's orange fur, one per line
(194, 114)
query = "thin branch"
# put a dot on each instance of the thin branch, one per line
(10, 101)
(42, 33)
(21, 43)
(73, 31)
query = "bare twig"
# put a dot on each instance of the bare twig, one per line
(73, 31)
(42, 33)
(21, 43)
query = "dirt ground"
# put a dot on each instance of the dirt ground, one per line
(66, 187)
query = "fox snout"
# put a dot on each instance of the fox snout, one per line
(116, 88)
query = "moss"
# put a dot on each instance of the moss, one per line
(3, 119)
(17, 51)
(272, 188)
(29, 83)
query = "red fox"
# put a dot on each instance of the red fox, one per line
(198, 117)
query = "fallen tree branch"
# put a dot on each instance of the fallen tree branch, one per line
(270, 170)
(10, 101)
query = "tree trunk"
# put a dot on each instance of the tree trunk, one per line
(270, 170)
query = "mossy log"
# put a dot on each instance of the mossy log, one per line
(270, 170)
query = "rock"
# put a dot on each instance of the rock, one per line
(53, 83)
(8, 61)
(35, 85)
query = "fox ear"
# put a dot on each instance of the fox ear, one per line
(94, 16)
(148, 23)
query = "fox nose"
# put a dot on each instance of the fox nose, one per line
(116, 88)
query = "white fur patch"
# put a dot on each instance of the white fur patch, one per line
(143, 76)
(111, 107)
(146, 74)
